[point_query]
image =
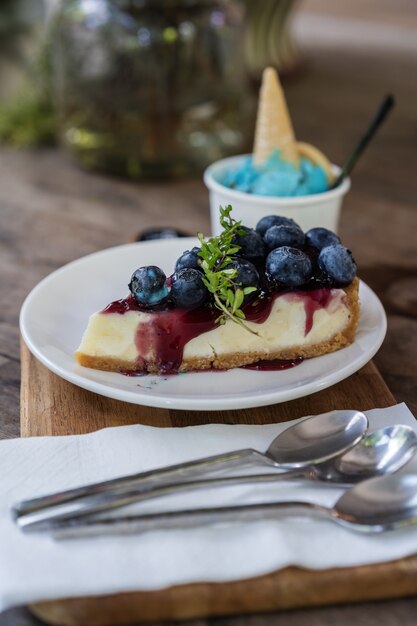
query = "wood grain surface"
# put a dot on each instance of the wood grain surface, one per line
(51, 213)
(52, 406)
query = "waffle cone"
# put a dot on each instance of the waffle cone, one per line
(274, 129)
(313, 154)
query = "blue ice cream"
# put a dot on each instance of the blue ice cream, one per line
(276, 177)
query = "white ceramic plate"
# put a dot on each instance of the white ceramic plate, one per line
(54, 316)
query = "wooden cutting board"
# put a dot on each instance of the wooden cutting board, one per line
(52, 406)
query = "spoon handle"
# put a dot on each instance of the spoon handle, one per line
(147, 480)
(43, 519)
(375, 123)
(76, 529)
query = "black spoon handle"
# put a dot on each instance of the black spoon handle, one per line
(376, 122)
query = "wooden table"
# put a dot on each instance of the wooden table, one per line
(51, 213)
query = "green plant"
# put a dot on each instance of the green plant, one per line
(217, 253)
(28, 118)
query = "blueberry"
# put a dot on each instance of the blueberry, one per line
(288, 266)
(321, 237)
(189, 259)
(187, 289)
(148, 285)
(251, 244)
(338, 263)
(272, 220)
(284, 235)
(247, 274)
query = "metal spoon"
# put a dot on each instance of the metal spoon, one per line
(374, 505)
(312, 440)
(382, 452)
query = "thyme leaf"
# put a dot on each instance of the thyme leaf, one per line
(219, 278)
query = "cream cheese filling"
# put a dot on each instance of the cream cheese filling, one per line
(284, 328)
(113, 335)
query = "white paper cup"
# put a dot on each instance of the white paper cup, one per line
(320, 209)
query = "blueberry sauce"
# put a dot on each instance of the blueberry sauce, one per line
(313, 301)
(273, 365)
(165, 335)
(318, 299)
(125, 305)
(167, 330)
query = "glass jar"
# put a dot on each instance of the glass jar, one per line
(151, 88)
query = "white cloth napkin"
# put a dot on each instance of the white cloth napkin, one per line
(35, 567)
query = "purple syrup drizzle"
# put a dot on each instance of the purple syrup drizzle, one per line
(166, 331)
(274, 365)
(313, 301)
(123, 306)
(165, 334)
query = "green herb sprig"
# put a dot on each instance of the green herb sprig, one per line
(219, 278)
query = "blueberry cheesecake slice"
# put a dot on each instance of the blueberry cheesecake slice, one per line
(242, 297)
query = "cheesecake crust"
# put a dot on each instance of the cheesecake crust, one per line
(237, 359)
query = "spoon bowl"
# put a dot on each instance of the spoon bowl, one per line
(318, 439)
(383, 451)
(381, 503)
